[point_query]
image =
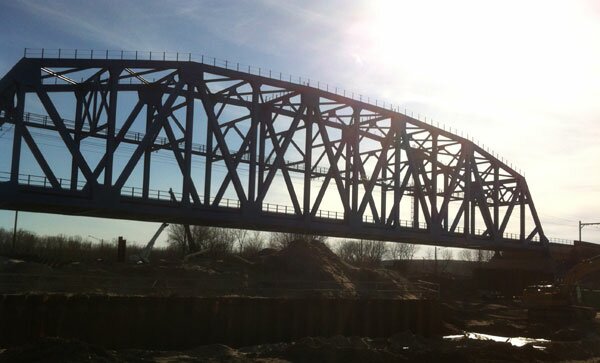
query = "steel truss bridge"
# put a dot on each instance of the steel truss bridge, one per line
(247, 151)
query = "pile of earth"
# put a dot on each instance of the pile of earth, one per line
(22, 266)
(306, 264)
(303, 266)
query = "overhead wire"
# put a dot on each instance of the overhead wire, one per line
(124, 150)
(99, 148)
(9, 128)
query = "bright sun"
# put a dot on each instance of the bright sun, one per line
(508, 44)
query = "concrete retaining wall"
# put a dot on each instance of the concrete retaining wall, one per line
(184, 322)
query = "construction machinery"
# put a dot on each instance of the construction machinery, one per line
(144, 256)
(563, 299)
(189, 238)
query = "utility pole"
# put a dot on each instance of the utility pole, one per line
(581, 225)
(14, 242)
(435, 265)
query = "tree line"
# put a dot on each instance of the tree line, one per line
(246, 243)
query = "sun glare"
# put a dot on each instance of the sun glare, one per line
(513, 50)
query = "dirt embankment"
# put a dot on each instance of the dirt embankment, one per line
(313, 266)
(302, 268)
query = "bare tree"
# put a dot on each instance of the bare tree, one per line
(402, 251)
(442, 257)
(467, 255)
(5, 237)
(252, 245)
(280, 240)
(446, 254)
(476, 255)
(241, 237)
(206, 238)
(362, 252)
(430, 254)
(485, 255)
(177, 238)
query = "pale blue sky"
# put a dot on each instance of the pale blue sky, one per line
(522, 77)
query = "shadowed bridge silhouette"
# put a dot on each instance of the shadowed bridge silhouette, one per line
(107, 134)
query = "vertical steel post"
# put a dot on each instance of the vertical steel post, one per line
(209, 149)
(256, 117)
(262, 127)
(443, 213)
(384, 184)
(473, 218)
(310, 114)
(522, 215)
(147, 154)
(467, 197)
(111, 121)
(434, 185)
(356, 161)
(347, 177)
(16, 150)
(496, 201)
(79, 98)
(397, 176)
(189, 133)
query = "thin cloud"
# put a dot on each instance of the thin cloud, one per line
(82, 23)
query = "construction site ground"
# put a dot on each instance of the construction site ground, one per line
(476, 324)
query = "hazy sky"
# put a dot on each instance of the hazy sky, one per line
(521, 77)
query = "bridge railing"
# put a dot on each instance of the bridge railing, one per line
(560, 241)
(160, 195)
(254, 70)
(164, 195)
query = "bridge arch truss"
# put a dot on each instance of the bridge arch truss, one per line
(249, 152)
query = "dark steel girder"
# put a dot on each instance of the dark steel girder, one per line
(382, 174)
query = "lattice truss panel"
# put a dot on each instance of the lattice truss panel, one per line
(257, 145)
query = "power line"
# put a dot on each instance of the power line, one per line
(8, 129)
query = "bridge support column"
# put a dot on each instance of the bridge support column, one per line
(311, 110)
(17, 139)
(79, 97)
(113, 81)
(188, 137)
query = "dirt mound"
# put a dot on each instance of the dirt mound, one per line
(313, 266)
(218, 261)
(382, 281)
(10, 265)
(302, 268)
(308, 261)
